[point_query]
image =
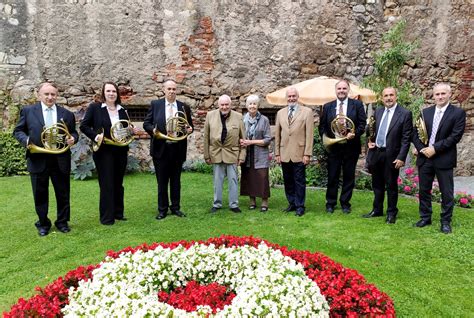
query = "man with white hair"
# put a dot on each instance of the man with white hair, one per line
(445, 125)
(294, 126)
(223, 130)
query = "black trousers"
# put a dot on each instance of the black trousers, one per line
(337, 161)
(294, 177)
(111, 162)
(384, 177)
(168, 172)
(61, 183)
(427, 172)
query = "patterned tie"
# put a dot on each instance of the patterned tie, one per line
(436, 121)
(342, 121)
(170, 110)
(382, 134)
(49, 117)
(290, 114)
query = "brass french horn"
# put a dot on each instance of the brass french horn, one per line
(371, 128)
(176, 128)
(121, 135)
(340, 127)
(53, 139)
(421, 129)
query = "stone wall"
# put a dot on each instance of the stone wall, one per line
(222, 46)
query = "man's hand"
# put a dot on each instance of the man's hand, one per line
(350, 135)
(189, 129)
(239, 162)
(70, 141)
(428, 151)
(208, 161)
(278, 159)
(371, 145)
(306, 160)
(398, 163)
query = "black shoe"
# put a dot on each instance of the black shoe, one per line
(161, 216)
(64, 229)
(299, 213)
(446, 228)
(330, 209)
(289, 208)
(122, 219)
(236, 210)
(346, 210)
(214, 209)
(372, 214)
(179, 214)
(43, 232)
(422, 223)
(391, 219)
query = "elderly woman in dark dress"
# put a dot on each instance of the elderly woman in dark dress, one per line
(254, 181)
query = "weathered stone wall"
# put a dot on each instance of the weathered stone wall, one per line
(223, 46)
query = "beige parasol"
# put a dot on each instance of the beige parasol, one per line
(320, 90)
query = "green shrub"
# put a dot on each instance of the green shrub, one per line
(363, 182)
(197, 165)
(12, 156)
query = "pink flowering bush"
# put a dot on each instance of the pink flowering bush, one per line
(409, 184)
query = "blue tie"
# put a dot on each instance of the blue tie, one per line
(380, 141)
(49, 117)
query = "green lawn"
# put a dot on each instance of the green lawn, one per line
(427, 273)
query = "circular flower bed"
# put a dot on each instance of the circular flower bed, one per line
(221, 277)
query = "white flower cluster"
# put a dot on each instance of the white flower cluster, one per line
(266, 283)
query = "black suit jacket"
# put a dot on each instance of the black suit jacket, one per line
(399, 134)
(450, 131)
(356, 112)
(96, 119)
(156, 118)
(29, 129)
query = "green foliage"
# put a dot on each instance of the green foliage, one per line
(197, 165)
(12, 156)
(389, 60)
(363, 182)
(407, 263)
(275, 175)
(82, 164)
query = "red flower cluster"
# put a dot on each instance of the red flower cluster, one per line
(194, 294)
(346, 291)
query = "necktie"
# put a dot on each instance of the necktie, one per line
(170, 110)
(49, 117)
(436, 121)
(342, 121)
(290, 114)
(382, 134)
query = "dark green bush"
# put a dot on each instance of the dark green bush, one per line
(197, 165)
(12, 156)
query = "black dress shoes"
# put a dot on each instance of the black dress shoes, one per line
(161, 216)
(214, 209)
(330, 209)
(64, 229)
(446, 228)
(372, 214)
(289, 208)
(346, 210)
(122, 219)
(179, 213)
(43, 232)
(299, 213)
(422, 223)
(390, 219)
(236, 210)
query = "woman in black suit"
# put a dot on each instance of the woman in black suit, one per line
(110, 160)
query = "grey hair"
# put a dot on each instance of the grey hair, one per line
(252, 99)
(224, 97)
(292, 88)
(446, 85)
(345, 81)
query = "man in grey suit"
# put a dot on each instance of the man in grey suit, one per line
(294, 126)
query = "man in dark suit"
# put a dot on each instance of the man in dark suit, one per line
(168, 155)
(445, 125)
(45, 165)
(388, 152)
(342, 156)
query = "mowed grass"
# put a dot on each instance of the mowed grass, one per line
(426, 273)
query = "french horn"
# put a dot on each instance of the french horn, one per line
(121, 135)
(340, 127)
(421, 129)
(371, 129)
(53, 139)
(176, 128)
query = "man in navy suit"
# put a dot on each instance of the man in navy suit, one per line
(445, 125)
(388, 152)
(43, 166)
(168, 155)
(342, 156)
